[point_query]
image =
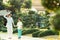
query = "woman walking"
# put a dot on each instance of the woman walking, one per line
(9, 25)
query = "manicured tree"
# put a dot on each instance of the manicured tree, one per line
(16, 4)
(53, 5)
(27, 4)
(30, 20)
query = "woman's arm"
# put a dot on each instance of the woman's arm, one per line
(13, 22)
(5, 16)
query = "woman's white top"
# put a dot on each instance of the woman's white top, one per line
(9, 21)
(19, 24)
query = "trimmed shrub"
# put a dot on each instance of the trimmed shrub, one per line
(30, 31)
(24, 32)
(15, 30)
(0, 29)
(3, 29)
(35, 34)
(47, 33)
(56, 22)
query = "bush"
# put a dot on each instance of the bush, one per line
(24, 32)
(35, 34)
(48, 4)
(29, 31)
(47, 33)
(29, 20)
(56, 22)
(3, 29)
(15, 30)
(28, 4)
(0, 28)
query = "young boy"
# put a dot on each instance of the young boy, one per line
(19, 24)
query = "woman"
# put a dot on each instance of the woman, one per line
(9, 25)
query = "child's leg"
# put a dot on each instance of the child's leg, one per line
(19, 33)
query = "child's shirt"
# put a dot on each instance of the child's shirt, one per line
(19, 24)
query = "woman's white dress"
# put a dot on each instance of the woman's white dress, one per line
(9, 26)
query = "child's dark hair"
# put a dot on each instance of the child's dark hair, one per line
(19, 18)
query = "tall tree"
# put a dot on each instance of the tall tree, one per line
(51, 4)
(55, 6)
(28, 4)
(1, 2)
(1, 5)
(16, 4)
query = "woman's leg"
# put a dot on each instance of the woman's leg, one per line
(10, 32)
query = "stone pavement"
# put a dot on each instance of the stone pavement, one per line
(15, 37)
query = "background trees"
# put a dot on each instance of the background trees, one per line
(27, 4)
(16, 4)
(51, 4)
(54, 6)
(1, 5)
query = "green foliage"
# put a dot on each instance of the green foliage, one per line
(1, 5)
(29, 31)
(28, 4)
(43, 20)
(16, 4)
(1, 2)
(3, 29)
(47, 33)
(1, 22)
(51, 4)
(29, 20)
(15, 30)
(35, 34)
(56, 22)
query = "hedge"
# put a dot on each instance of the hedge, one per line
(15, 30)
(29, 31)
(35, 34)
(3, 29)
(47, 33)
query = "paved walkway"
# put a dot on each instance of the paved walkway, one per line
(15, 37)
(4, 37)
